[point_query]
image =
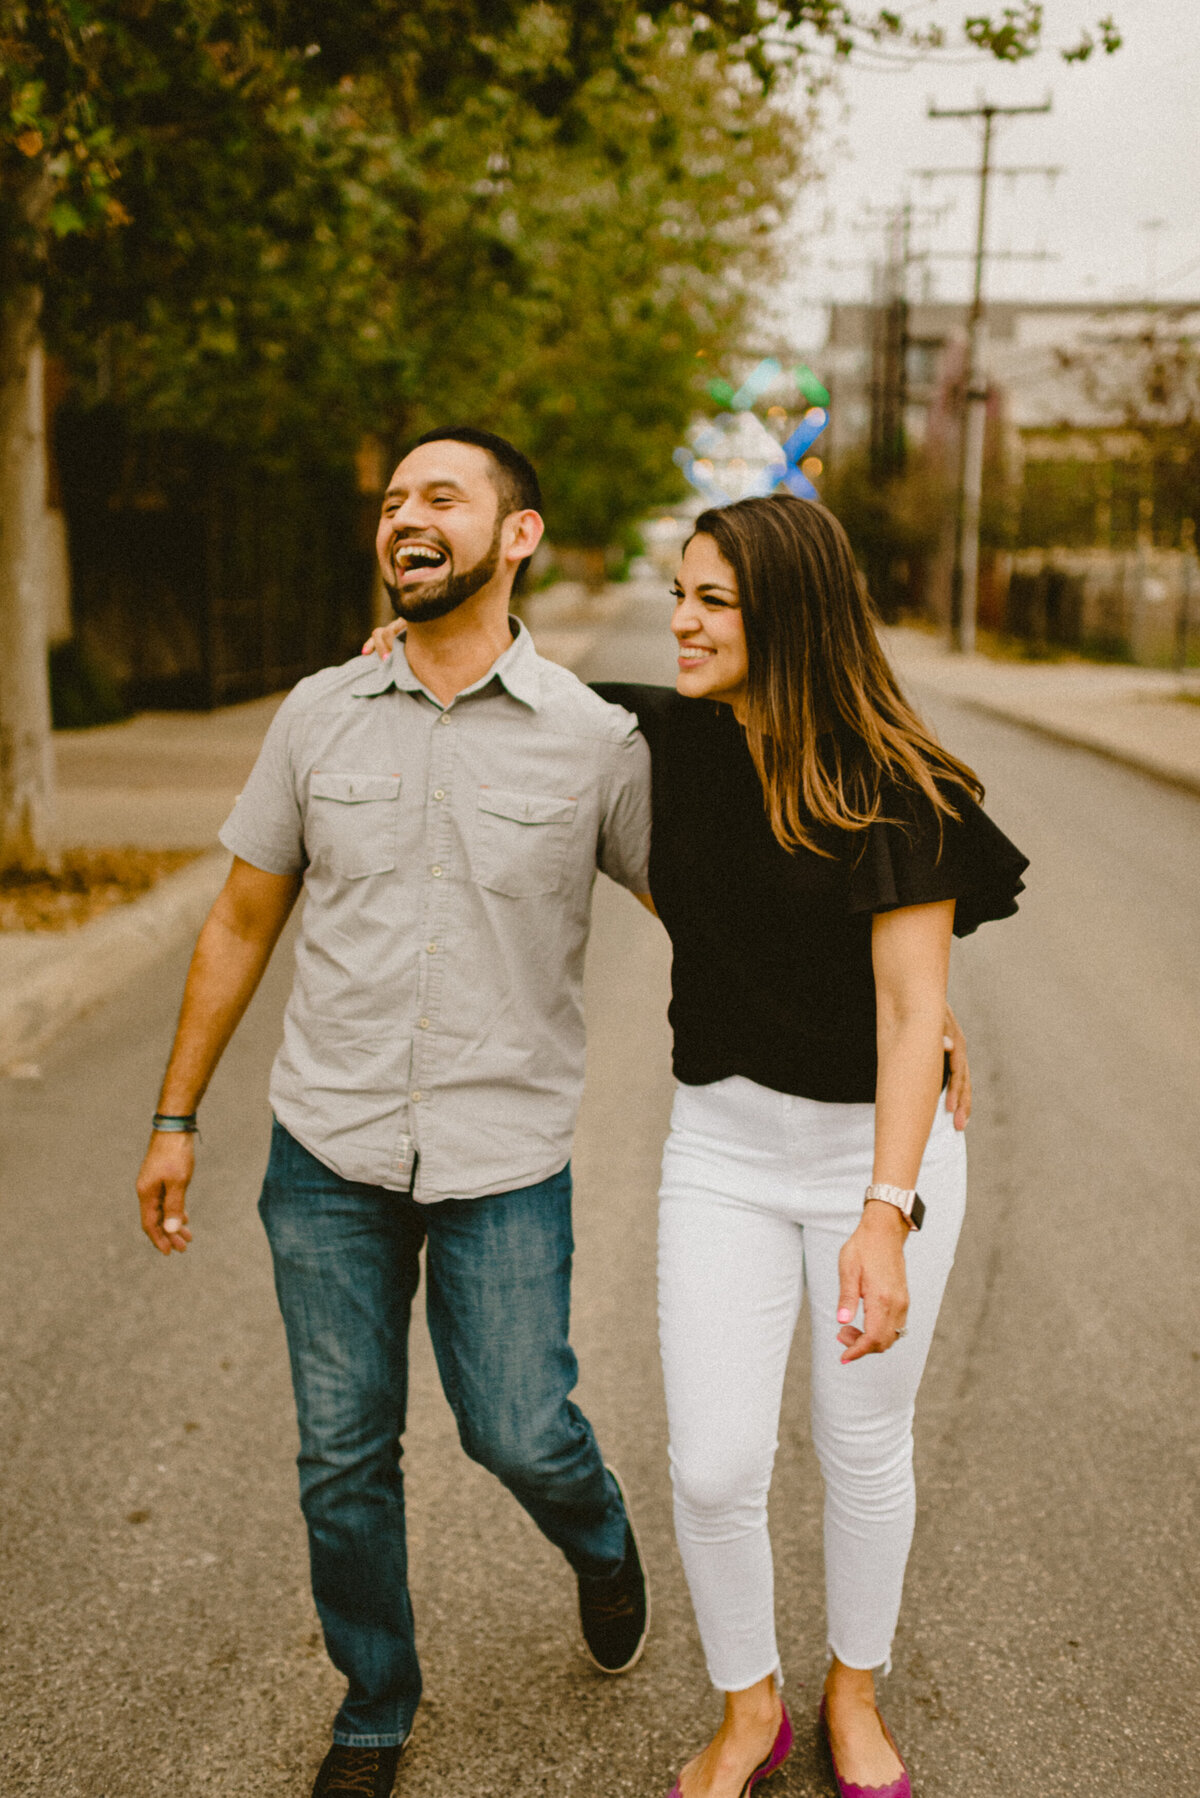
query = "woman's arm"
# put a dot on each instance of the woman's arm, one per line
(910, 950)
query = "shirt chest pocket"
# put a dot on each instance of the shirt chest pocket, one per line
(521, 841)
(352, 822)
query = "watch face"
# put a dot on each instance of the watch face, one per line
(918, 1211)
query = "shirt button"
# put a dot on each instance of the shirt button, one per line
(445, 718)
(431, 948)
(439, 792)
(436, 872)
(416, 1097)
(423, 1023)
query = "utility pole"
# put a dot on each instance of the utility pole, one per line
(889, 346)
(964, 592)
(890, 335)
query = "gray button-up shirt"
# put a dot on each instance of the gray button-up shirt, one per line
(448, 857)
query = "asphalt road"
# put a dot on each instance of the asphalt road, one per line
(156, 1633)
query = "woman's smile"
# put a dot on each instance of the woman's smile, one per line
(708, 626)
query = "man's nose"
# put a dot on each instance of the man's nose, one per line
(411, 516)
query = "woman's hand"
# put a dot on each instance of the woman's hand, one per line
(871, 1270)
(958, 1087)
(382, 639)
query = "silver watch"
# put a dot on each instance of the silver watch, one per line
(909, 1202)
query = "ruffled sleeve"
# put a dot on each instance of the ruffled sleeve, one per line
(908, 861)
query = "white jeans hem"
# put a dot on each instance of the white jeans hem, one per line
(882, 1667)
(743, 1685)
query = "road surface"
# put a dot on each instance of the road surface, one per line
(156, 1633)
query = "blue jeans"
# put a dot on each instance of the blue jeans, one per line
(498, 1274)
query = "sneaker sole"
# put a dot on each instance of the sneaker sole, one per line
(635, 1657)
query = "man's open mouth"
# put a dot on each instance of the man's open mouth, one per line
(407, 558)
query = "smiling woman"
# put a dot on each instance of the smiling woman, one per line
(813, 848)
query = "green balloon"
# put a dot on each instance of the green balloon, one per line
(809, 385)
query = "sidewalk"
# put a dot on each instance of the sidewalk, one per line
(169, 779)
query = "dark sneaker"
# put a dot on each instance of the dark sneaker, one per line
(357, 1772)
(614, 1609)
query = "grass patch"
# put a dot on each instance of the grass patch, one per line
(87, 883)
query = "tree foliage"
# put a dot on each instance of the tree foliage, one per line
(303, 262)
(281, 222)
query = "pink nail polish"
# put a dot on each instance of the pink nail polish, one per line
(844, 1315)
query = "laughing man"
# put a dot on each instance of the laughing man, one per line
(445, 815)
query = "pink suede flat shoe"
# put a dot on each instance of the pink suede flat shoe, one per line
(898, 1788)
(780, 1750)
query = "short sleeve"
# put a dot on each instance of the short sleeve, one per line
(623, 850)
(651, 706)
(266, 825)
(908, 860)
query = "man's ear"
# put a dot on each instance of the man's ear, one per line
(523, 532)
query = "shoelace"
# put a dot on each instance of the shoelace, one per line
(358, 1775)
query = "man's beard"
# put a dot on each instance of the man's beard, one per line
(435, 599)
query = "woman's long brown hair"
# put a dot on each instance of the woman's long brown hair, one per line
(826, 721)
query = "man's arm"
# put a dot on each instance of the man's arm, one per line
(229, 960)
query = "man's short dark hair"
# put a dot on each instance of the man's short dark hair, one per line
(515, 477)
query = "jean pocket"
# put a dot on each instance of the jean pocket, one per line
(521, 841)
(351, 822)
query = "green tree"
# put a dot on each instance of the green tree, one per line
(279, 220)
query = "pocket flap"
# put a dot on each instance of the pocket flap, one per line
(352, 789)
(526, 808)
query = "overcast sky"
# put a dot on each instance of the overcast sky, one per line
(1122, 220)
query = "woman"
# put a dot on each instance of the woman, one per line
(813, 850)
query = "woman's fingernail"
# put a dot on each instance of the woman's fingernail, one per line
(844, 1315)
(171, 1224)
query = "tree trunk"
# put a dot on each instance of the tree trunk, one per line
(27, 824)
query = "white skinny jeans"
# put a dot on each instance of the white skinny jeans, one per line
(759, 1192)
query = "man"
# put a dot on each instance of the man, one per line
(445, 814)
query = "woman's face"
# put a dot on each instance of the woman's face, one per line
(708, 627)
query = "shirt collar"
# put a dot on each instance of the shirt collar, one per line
(516, 669)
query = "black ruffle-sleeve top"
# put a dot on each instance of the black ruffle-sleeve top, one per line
(772, 975)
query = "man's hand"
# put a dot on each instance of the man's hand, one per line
(871, 1269)
(382, 638)
(958, 1089)
(162, 1189)
(227, 964)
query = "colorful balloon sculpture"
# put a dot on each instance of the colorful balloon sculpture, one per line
(786, 475)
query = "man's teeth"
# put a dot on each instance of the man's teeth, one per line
(419, 555)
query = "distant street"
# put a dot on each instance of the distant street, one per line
(156, 1631)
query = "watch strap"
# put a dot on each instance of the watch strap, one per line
(905, 1199)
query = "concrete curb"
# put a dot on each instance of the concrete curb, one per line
(1138, 763)
(1124, 758)
(83, 968)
